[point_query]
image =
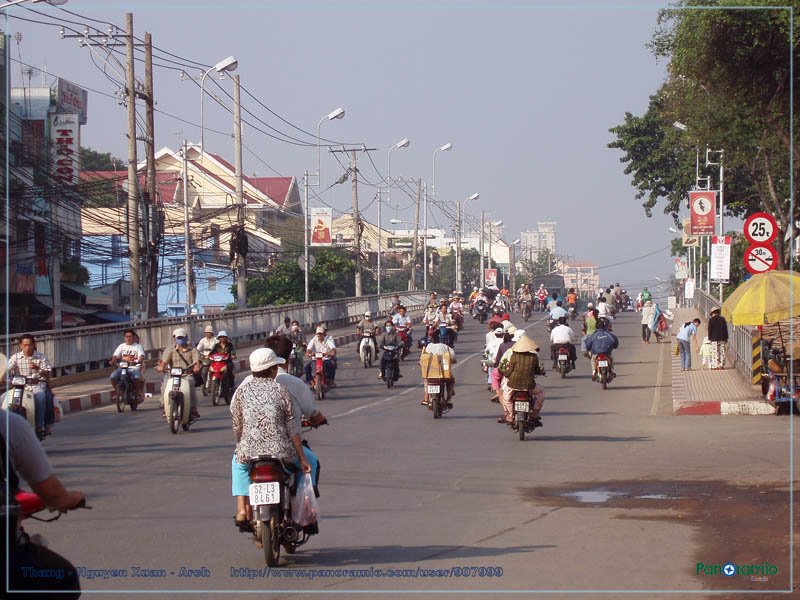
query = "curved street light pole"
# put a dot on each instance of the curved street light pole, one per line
(444, 148)
(228, 64)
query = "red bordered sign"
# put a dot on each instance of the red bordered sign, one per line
(760, 259)
(703, 206)
(760, 228)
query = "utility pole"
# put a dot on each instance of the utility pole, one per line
(356, 226)
(413, 285)
(150, 153)
(458, 249)
(481, 281)
(380, 238)
(133, 182)
(305, 236)
(512, 270)
(187, 246)
(425, 244)
(241, 271)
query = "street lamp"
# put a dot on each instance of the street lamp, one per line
(491, 224)
(225, 65)
(460, 206)
(444, 148)
(336, 114)
(404, 143)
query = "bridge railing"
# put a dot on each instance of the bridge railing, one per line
(80, 349)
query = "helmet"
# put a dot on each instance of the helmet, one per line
(368, 315)
(602, 323)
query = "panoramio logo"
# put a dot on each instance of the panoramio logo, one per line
(730, 569)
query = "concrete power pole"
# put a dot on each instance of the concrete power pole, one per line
(414, 243)
(133, 182)
(481, 281)
(241, 271)
(356, 227)
(187, 243)
(150, 153)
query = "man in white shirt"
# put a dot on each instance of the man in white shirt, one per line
(604, 310)
(562, 335)
(133, 353)
(319, 343)
(402, 320)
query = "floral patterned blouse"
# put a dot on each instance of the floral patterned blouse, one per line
(263, 420)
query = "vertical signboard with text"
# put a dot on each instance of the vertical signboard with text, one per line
(703, 206)
(65, 138)
(321, 226)
(720, 258)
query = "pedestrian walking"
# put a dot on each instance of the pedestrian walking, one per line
(648, 314)
(718, 336)
(685, 335)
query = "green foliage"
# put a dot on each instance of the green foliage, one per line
(72, 271)
(444, 280)
(91, 160)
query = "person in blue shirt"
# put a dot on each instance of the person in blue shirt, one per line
(558, 311)
(602, 342)
(684, 338)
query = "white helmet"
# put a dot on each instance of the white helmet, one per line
(368, 315)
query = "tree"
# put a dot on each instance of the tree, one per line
(444, 280)
(91, 160)
(728, 81)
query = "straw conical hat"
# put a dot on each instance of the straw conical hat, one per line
(525, 344)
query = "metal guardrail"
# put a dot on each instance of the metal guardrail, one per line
(744, 341)
(79, 349)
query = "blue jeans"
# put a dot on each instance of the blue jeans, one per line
(328, 367)
(686, 354)
(40, 403)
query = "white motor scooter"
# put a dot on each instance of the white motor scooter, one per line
(177, 397)
(366, 349)
(19, 399)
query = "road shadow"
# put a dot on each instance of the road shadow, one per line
(395, 554)
(589, 438)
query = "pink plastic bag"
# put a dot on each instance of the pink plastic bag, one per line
(305, 509)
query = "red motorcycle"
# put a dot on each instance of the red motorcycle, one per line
(318, 381)
(522, 406)
(458, 317)
(29, 504)
(218, 374)
(604, 373)
(405, 340)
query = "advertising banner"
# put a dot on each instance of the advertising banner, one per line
(681, 267)
(703, 206)
(720, 258)
(65, 138)
(490, 277)
(71, 98)
(321, 226)
(688, 290)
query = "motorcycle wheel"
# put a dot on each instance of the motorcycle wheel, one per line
(604, 379)
(366, 359)
(389, 376)
(174, 415)
(563, 369)
(318, 389)
(215, 392)
(521, 428)
(133, 401)
(270, 541)
(122, 393)
(436, 408)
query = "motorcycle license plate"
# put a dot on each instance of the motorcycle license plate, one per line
(602, 363)
(265, 493)
(434, 389)
(521, 406)
(562, 357)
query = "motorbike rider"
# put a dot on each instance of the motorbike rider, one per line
(440, 350)
(493, 343)
(572, 299)
(444, 319)
(225, 346)
(184, 356)
(29, 362)
(366, 325)
(457, 310)
(541, 295)
(297, 335)
(204, 347)
(133, 353)
(562, 335)
(557, 311)
(520, 371)
(473, 294)
(322, 343)
(400, 320)
(27, 460)
(525, 295)
(389, 337)
(481, 297)
(605, 311)
(602, 341)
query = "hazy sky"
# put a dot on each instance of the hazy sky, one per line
(525, 91)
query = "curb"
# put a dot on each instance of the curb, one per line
(97, 399)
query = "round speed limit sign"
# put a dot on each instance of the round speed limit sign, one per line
(760, 228)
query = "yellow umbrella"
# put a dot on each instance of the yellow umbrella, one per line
(766, 298)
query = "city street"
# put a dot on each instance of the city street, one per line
(613, 493)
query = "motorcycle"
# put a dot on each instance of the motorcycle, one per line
(604, 373)
(444, 335)
(318, 382)
(178, 399)
(525, 309)
(573, 314)
(296, 366)
(366, 349)
(522, 405)
(27, 505)
(481, 310)
(458, 317)
(541, 303)
(563, 362)
(126, 393)
(218, 374)
(19, 399)
(405, 342)
(437, 397)
(205, 363)
(273, 525)
(388, 364)
(551, 324)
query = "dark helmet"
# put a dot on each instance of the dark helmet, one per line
(562, 320)
(602, 323)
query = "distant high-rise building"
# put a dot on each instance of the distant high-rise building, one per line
(540, 239)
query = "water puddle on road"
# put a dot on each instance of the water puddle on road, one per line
(742, 524)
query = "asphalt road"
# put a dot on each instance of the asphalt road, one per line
(401, 491)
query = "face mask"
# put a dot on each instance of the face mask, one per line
(295, 327)
(389, 329)
(182, 341)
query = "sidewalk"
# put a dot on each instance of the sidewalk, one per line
(92, 393)
(706, 392)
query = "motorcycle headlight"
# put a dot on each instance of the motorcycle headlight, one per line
(176, 372)
(18, 380)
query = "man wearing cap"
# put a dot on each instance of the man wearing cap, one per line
(204, 347)
(183, 356)
(224, 346)
(321, 343)
(718, 336)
